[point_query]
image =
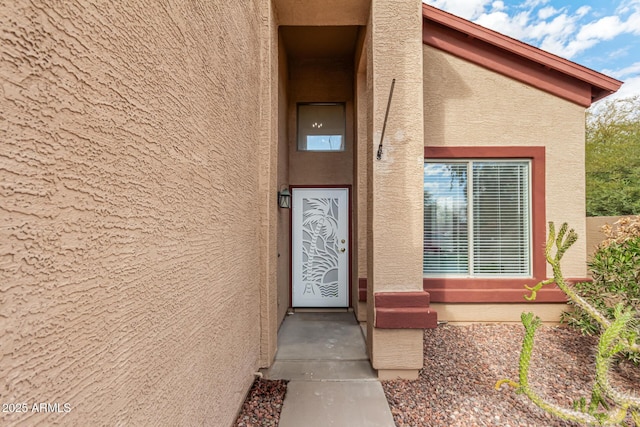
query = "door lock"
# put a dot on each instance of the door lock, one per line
(343, 249)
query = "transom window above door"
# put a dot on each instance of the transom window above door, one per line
(477, 218)
(321, 127)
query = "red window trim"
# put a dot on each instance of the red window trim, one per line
(506, 290)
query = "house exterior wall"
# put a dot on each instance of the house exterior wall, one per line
(360, 192)
(394, 191)
(130, 208)
(595, 235)
(320, 80)
(284, 217)
(467, 105)
(267, 164)
(329, 12)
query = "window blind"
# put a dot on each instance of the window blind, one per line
(501, 219)
(477, 218)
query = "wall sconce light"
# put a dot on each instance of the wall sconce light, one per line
(284, 198)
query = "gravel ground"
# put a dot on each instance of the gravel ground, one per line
(263, 404)
(462, 365)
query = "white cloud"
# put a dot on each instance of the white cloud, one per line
(547, 12)
(530, 4)
(628, 6)
(602, 29)
(467, 9)
(631, 87)
(633, 23)
(583, 10)
(501, 22)
(619, 53)
(497, 5)
(632, 70)
(557, 30)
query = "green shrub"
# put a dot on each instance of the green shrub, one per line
(615, 268)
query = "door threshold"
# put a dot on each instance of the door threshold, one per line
(319, 310)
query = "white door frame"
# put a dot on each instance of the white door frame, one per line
(343, 301)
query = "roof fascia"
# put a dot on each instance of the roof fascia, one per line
(500, 53)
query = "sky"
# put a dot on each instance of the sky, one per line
(603, 35)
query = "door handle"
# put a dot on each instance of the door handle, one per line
(343, 249)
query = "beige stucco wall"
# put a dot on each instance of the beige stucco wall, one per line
(267, 167)
(468, 105)
(595, 236)
(320, 80)
(130, 208)
(462, 314)
(326, 12)
(284, 218)
(360, 190)
(394, 187)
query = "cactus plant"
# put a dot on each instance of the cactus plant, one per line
(606, 405)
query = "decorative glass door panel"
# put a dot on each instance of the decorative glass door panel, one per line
(320, 247)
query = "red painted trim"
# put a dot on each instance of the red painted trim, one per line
(404, 310)
(406, 318)
(291, 253)
(514, 58)
(350, 272)
(362, 289)
(402, 299)
(499, 289)
(350, 284)
(513, 292)
(491, 291)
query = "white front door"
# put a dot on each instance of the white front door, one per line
(320, 247)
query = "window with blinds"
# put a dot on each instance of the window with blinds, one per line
(477, 218)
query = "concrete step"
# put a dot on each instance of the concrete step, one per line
(335, 403)
(320, 370)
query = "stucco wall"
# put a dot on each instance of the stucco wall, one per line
(360, 191)
(128, 215)
(594, 235)
(284, 219)
(467, 105)
(320, 80)
(394, 229)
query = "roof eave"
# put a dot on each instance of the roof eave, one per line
(601, 84)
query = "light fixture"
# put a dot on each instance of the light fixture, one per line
(284, 198)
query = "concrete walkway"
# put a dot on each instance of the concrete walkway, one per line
(331, 382)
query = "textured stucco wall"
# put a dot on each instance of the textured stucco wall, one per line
(394, 246)
(462, 314)
(267, 165)
(595, 236)
(320, 80)
(326, 12)
(467, 105)
(129, 209)
(284, 217)
(360, 191)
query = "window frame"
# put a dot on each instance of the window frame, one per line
(343, 144)
(497, 289)
(469, 162)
